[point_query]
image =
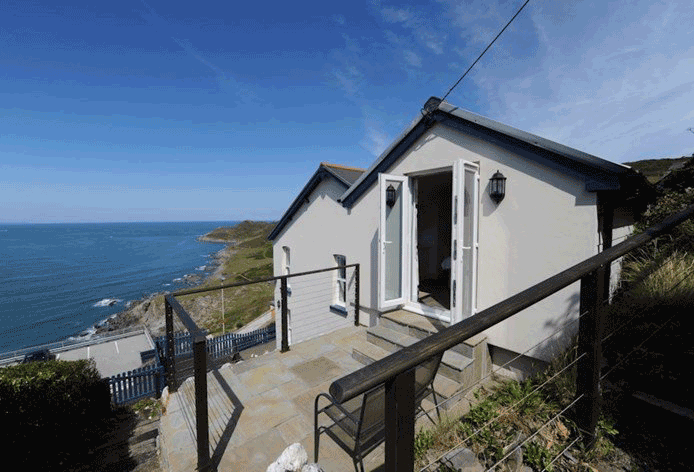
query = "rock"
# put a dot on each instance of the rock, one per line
(312, 468)
(275, 467)
(292, 459)
(462, 460)
(514, 462)
(165, 396)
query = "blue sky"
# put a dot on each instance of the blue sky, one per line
(175, 111)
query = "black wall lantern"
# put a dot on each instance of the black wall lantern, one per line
(390, 196)
(497, 187)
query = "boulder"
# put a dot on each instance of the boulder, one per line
(292, 459)
(462, 460)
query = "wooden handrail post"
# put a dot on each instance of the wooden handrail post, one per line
(356, 295)
(399, 422)
(285, 312)
(590, 332)
(201, 418)
(170, 354)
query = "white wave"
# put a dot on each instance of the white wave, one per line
(106, 302)
(167, 285)
(202, 267)
(179, 279)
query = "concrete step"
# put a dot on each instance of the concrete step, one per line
(444, 388)
(454, 365)
(421, 327)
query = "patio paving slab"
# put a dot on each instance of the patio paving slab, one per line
(260, 406)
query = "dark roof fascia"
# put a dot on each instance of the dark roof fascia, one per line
(596, 178)
(534, 140)
(313, 182)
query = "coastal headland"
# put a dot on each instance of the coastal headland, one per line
(246, 256)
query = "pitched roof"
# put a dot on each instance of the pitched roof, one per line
(346, 176)
(599, 174)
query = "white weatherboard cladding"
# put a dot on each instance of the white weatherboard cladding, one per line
(546, 223)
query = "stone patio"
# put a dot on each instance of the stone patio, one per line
(260, 406)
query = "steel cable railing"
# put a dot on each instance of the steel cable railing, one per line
(544, 425)
(501, 367)
(509, 409)
(506, 411)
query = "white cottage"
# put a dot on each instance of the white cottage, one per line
(435, 241)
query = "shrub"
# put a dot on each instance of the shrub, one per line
(53, 403)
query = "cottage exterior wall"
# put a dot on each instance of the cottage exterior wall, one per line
(546, 223)
(318, 231)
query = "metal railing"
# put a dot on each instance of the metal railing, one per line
(171, 306)
(397, 370)
(68, 344)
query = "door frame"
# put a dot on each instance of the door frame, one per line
(409, 238)
(412, 304)
(464, 278)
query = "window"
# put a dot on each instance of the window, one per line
(285, 260)
(340, 298)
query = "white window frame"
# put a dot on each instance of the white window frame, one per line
(340, 295)
(286, 266)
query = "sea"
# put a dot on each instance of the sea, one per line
(59, 281)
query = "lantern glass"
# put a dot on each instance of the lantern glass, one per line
(390, 196)
(497, 187)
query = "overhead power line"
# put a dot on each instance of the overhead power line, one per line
(485, 49)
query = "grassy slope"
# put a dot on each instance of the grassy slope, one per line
(655, 169)
(249, 259)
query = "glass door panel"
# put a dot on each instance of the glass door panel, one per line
(394, 196)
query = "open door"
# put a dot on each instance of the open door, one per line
(464, 245)
(393, 248)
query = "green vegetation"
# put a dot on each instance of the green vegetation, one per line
(148, 408)
(655, 169)
(62, 405)
(251, 233)
(508, 412)
(250, 258)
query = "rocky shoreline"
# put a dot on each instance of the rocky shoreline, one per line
(146, 311)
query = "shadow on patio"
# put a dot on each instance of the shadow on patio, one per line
(260, 406)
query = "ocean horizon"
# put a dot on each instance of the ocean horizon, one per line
(60, 280)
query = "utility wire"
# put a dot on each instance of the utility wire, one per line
(485, 50)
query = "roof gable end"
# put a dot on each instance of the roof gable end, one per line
(345, 176)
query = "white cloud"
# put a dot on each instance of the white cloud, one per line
(611, 83)
(396, 15)
(375, 140)
(412, 58)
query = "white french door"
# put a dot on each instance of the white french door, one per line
(464, 241)
(393, 243)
